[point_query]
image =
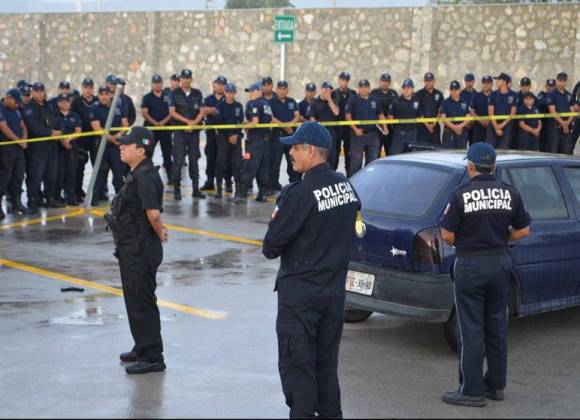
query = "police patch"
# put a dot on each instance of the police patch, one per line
(254, 110)
(436, 96)
(416, 105)
(463, 106)
(447, 208)
(275, 213)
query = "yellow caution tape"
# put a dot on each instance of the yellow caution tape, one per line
(296, 124)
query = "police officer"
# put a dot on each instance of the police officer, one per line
(501, 102)
(268, 89)
(138, 230)
(229, 141)
(111, 158)
(560, 100)
(111, 81)
(323, 109)
(575, 134)
(385, 95)
(304, 104)
(186, 108)
(12, 161)
(155, 111)
(127, 102)
(68, 123)
(43, 156)
(479, 108)
(26, 91)
(430, 100)
(210, 102)
(86, 146)
(341, 96)
(311, 230)
(467, 94)
(530, 128)
(541, 103)
(255, 163)
(63, 89)
(366, 137)
(455, 133)
(525, 87)
(479, 220)
(284, 110)
(405, 106)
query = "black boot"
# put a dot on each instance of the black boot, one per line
(32, 206)
(208, 186)
(229, 188)
(241, 193)
(261, 198)
(219, 188)
(17, 206)
(53, 203)
(197, 193)
(2, 214)
(176, 192)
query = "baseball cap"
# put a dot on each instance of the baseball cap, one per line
(230, 87)
(15, 93)
(25, 90)
(344, 75)
(157, 79)
(63, 97)
(253, 87)
(64, 85)
(104, 89)
(562, 76)
(551, 82)
(282, 84)
(529, 95)
(186, 74)
(363, 83)
(310, 87)
(504, 76)
(267, 80)
(38, 86)
(454, 85)
(385, 77)
(469, 77)
(175, 76)
(139, 136)
(481, 153)
(486, 79)
(87, 81)
(221, 80)
(525, 81)
(408, 83)
(310, 132)
(121, 81)
(22, 83)
(112, 79)
(429, 76)
(326, 85)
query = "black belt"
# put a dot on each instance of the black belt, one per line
(480, 252)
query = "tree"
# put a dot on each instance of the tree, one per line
(257, 4)
(459, 2)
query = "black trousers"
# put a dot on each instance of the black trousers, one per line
(229, 158)
(210, 153)
(401, 139)
(138, 263)
(164, 138)
(499, 142)
(111, 161)
(479, 133)
(186, 144)
(86, 150)
(68, 162)
(277, 152)
(12, 169)
(425, 136)
(308, 348)
(42, 168)
(527, 141)
(481, 298)
(453, 141)
(256, 161)
(556, 140)
(342, 140)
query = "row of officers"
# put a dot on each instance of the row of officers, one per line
(54, 170)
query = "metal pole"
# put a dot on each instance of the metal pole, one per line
(101, 150)
(79, 6)
(282, 60)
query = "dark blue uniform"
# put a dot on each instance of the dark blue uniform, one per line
(478, 105)
(343, 133)
(369, 143)
(527, 141)
(467, 97)
(256, 159)
(450, 109)
(503, 104)
(385, 99)
(429, 106)
(67, 159)
(403, 134)
(111, 157)
(85, 145)
(480, 214)
(12, 159)
(158, 109)
(284, 112)
(303, 107)
(129, 108)
(557, 141)
(229, 156)
(542, 105)
(320, 110)
(211, 138)
(312, 229)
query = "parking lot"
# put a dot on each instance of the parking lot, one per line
(59, 353)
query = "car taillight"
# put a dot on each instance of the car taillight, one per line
(427, 248)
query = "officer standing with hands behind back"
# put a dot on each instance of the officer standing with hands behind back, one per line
(479, 220)
(138, 231)
(311, 230)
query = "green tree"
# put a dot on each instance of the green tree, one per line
(257, 4)
(501, 1)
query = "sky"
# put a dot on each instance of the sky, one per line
(63, 6)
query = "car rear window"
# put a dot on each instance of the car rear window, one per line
(400, 189)
(573, 174)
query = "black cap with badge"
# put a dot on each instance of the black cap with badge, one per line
(157, 79)
(139, 136)
(454, 85)
(364, 83)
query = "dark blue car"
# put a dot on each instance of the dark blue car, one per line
(400, 265)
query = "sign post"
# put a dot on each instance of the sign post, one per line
(284, 26)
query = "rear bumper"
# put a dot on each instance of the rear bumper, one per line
(420, 296)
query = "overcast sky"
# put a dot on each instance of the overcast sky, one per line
(56, 6)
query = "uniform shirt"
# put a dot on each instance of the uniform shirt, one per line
(312, 229)
(261, 109)
(481, 212)
(530, 122)
(211, 101)
(40, 120)
(403, 109)
(467, 96)
(12, 118)
(503, 103)
(320, 110)
(562, 101)
(364, 109)
(157, 107)
(149, 187)
(429, 102)
(452, 108)
(229, 114)
(99, 113)
(129, 108)
(340, 98)
(479, 104)
(284, 110)
(385, 98)
(303, 107)
(68, 123)
(187, 105)
(82, 108)
(542, 102)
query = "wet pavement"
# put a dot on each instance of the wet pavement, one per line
(59, 351)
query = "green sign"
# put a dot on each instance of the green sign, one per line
(284, 29)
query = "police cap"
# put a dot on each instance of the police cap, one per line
(310, 132)
(230, 87)
(326, 85)
(15, 94)
(186, 74)
(551, 82)
(481, 153)
(38, 86)
(267, 80)
(469, 77)
(454, 85)
(428, 76)
(221, 80)
(408, 83)
(104, 89)
(64, 85)
(504, 76)
(253, 87)
(22, 83)
(139, 136)
(111, 79)
(63, 97)
(310, 87)
(525, 81)
(385, 77)
(87, 81)
(175, 76)
(345, 75)
(529, 95)
(562, 76)
(25, 90)
(282, 84)
(364, 83)
(157, 79)
(486, 79)
(121, 81)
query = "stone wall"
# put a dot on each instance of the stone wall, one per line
(533, 40)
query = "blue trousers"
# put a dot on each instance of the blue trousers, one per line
(277, 152)
(111, 161)
(12, 169)
(186, 144)
(256, 161)
(481, 297)
(499, 142)
(401, 138)
(453, 141)
(43, 161)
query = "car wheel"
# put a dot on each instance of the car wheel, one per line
(451, 331)
(356, 315)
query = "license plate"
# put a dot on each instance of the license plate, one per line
(360, 282)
